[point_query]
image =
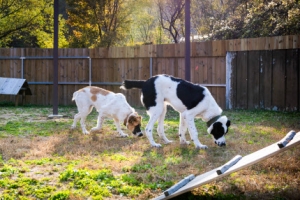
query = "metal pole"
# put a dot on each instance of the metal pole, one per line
(55, 59)
(187, 40)
(22, 66)
(90, 71)
(151, 67)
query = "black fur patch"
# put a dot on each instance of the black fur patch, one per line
(217, 130)
(190, 94)
(129, 84)
(227, 124)
(149, 93)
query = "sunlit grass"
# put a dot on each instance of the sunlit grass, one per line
(42, 158)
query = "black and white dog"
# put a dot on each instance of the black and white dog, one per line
(190, 100)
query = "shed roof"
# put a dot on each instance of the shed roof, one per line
(14, 86)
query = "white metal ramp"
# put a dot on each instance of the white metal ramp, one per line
(237, 163)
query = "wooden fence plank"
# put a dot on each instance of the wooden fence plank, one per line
(278, 80)
(232, 67)
(194, 73)
(205, 65)
(298, 78)
(253, 80)
(218, 48)
(242, 83)
(292, 79)
(265, 86)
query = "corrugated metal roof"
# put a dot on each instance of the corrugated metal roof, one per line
(13, 86)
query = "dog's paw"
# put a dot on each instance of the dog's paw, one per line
(201, 146)
(86, 132)
(168, 141)
(95, 129)
(73, 127)
(156, 145)
(124, 135)
(185, 142)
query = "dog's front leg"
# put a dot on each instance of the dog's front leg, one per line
(117, 123)
(182, 129)
(149, 130)
(193, 133)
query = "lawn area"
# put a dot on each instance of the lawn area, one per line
(43, 158)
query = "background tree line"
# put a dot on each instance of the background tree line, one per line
(104, 23)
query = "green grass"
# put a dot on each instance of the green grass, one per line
(42, 158)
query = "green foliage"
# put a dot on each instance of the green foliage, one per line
(36, 128)
(60, 195)
(141, 167)
(98, 23)
(28, 23)
(271, 18)
(98, 182)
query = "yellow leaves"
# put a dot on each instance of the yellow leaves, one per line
(77, 34)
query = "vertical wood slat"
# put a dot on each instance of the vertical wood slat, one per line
(292, 80)
(265, 86)
(298, 78)
(231, 58)
(278, 80)
(242, 82)
(253, 80)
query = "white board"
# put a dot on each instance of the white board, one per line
(12, 86)
(246, 161)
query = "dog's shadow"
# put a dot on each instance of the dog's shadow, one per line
(76, 143)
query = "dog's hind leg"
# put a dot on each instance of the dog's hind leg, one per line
(83, 113)
(117, 123)
(99, 122)
(160, 127)
(76, 118)
(182, 130)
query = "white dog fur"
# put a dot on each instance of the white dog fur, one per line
(108, 104)
(190, 100)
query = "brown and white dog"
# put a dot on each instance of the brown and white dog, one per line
(108, 104)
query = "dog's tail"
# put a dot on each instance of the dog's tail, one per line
(74, 95)
(129, 84)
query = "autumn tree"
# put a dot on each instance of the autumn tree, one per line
(145, 26)
(262, 19)
(205, 14)
(171, 17)
(28, 23)
(98, 23)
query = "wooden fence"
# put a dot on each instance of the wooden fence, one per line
(108, 67)
(265, 79)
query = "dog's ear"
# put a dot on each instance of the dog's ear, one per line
(134, 120)
(139, 118)
(228, 123)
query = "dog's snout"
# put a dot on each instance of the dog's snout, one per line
(220, 144)
(140, 134)
(137, 131)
